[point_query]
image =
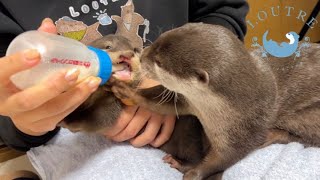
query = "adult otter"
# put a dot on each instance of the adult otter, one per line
(242, 101)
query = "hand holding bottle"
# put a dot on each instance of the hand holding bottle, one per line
(38, 109)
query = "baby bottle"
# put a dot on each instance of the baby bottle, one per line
(57, 53)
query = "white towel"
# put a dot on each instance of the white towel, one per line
(84, 157)
(278, 162)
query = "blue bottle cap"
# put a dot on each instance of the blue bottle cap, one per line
(105, 64)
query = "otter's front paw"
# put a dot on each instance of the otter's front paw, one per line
(174, 163)
(122, 91)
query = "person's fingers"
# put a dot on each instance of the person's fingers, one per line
(7, 90)
(71, 98)
(150, 133)
(44, 125)
(34, 97)
(166, 131)
(125, 117)
(48, 26)
(78, 95)
(135, 125)
(50, 123)
(15, 63)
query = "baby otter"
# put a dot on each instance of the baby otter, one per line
(242, 101)
(102, 108)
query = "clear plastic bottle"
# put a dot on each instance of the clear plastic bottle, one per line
(57, 53)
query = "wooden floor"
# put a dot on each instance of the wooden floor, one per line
(14, 164)
(6, 153)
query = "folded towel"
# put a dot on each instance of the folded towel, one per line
(81, 156)
(84, 157)
(278, 162)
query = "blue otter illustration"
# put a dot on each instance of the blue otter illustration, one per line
(284, 49)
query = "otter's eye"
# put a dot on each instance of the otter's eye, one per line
(108, 47)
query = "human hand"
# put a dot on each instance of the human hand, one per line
(142, 126)
(132, 120)
(38, 109)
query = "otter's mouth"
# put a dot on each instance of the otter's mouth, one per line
(122, 69)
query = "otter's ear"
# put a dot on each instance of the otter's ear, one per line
(202, 76)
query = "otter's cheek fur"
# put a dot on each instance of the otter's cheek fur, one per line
(148, 70)
(185, 86)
